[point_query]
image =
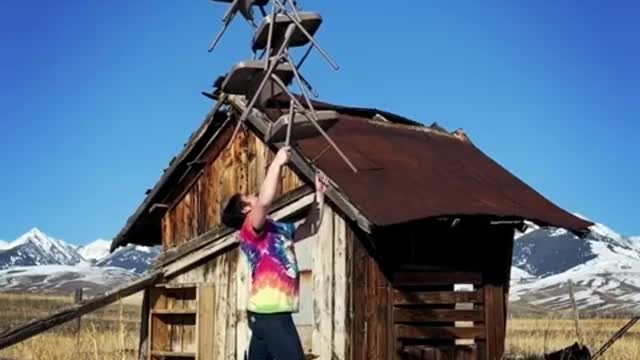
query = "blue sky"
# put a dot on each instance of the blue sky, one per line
(98, 96)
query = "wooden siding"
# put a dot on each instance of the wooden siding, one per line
(228, 272)
(195, 206)
(429, 291)
(225, 276)
(370, 299)
(331, 304)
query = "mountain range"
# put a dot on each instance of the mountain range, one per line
(604, 268)
(38, 262)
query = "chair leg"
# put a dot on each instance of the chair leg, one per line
(314, 117)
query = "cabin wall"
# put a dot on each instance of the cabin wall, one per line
(430, 291)
(195, 206)
(230, 278)
(369, 317)
(325, 308)
(332, 305)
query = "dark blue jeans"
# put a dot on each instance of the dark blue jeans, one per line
(274, 336)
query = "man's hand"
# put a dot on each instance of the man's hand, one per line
(311, 224)
(282, 156)
(322, 183)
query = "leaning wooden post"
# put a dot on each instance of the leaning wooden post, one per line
(77, 298)
(575, 314)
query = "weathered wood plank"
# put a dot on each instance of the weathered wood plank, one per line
(495, 318)
(206, 321)
(143, 347)
(438, 332)
(371, 308)
(322, 271)
(243, 287)
(35, 327)
(490, 321)
(433, 278)
(383, 328)
(161, 334)
(340, 333)
(217, 247)
(177, 331)
(437, 297)
(359, 287)
(349, 296)
(171, 354)
(232, 313)
(221, 310)
(189, 340)
(435, 315)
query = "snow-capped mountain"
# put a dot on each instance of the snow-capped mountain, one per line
(63, 278)
(96, 250)
(37, 248)
(136, 259)
(604, 268)
(38, 262)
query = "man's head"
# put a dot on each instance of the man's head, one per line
(237, 209)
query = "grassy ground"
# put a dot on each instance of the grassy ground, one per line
(531, 337)
(108, 334)
(112, 333)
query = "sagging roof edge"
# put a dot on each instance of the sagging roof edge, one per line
(350, 209)
(257, 119)
(207, 125)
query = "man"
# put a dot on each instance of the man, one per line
(268, 246)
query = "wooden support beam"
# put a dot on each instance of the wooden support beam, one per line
(197, 163)
(437, 297)
(216, 242)
(35, 327)
(421, 315)
(435, 278)
(160, 207)
(192, 245)
(439, 333)
(261, 124)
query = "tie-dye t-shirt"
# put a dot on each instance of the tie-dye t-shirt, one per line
(274, 268)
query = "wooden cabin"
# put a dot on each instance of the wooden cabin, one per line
(412, 260)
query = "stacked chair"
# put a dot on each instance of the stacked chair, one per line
(272, 70)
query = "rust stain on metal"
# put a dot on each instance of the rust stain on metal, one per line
(408, 173)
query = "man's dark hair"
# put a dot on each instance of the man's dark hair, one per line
(232, 215)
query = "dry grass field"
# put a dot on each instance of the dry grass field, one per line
(528, 338)
(108, 334)
(112, 333)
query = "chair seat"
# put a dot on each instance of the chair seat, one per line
(310, 21)
(302, 126)
(245, 76)
(250, 2)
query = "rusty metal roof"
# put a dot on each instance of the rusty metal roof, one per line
(407, 172)
(414, 172)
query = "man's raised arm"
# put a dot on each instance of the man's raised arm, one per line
(269, 188)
